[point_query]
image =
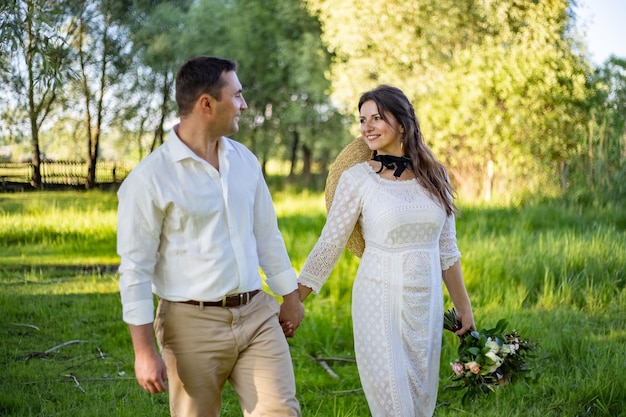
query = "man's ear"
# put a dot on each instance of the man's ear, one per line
(206, 103)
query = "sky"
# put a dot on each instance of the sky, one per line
(604, 22)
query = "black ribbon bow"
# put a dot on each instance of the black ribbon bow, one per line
(397, 163)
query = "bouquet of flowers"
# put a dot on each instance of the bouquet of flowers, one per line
(489, 358)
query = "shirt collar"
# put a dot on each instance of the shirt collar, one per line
(180, 151)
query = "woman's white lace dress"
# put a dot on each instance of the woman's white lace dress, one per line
(397, 299)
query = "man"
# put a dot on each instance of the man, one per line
(196, 221)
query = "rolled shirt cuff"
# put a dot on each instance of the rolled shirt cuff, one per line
(283, 283)
(138, 312)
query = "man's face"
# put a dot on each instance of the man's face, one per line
(231, 104)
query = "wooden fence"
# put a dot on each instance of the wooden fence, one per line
(62, 173)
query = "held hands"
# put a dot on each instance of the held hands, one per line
(291, 313)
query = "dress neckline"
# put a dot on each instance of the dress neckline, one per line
(370, 169)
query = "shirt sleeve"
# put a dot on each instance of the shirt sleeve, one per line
(343, 215)
(448, 250)
(138, 233)
(273, 257)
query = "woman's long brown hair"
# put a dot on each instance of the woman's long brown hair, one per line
(429, 172)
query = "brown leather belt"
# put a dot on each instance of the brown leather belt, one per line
(234, 300)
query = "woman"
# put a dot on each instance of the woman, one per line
(402, 202)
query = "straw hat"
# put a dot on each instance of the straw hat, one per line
(355, 152)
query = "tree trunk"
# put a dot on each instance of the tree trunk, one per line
(36, 155)
(489, 181)
(87, 97)
(264, 166)
(159, 133)
(94, 149)
(590, 167)
(307, 156)
(623, 159)
(139, 136)
(32, 110)
(293, 159)
(563, 176)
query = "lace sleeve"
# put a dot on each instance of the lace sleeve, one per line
(343, 215)
(448, 250)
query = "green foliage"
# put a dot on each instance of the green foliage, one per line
(499, 87)
(282, 66)
(505, 95)
(597, 176)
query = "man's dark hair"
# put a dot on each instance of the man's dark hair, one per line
(200, 75)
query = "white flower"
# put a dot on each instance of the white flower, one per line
(497, 361)
(492, 345)
(507, 349)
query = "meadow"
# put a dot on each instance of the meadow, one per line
(556, 272)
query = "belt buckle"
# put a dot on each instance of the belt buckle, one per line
(244, 298)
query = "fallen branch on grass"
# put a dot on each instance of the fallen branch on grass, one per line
(32, 326)
(52, 349)
(334, 359)
(73, 377)
(348, 391)
(324, 365)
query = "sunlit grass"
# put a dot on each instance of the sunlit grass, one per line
(42, 229)
(557, 273)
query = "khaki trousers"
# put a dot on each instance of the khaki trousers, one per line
(205, 347)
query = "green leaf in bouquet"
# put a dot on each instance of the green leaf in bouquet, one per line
(474, 351)
(501, 326)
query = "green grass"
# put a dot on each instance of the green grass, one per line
(557, 273)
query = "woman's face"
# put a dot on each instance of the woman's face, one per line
(383, 136)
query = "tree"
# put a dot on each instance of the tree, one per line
(518, 99)
(35, 55)
(100, 55)
(157, 34)
(282, 66)
(598, 174)
(498, 85)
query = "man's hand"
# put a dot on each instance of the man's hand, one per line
(150, 372)
(150, 369)
(291, 313)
